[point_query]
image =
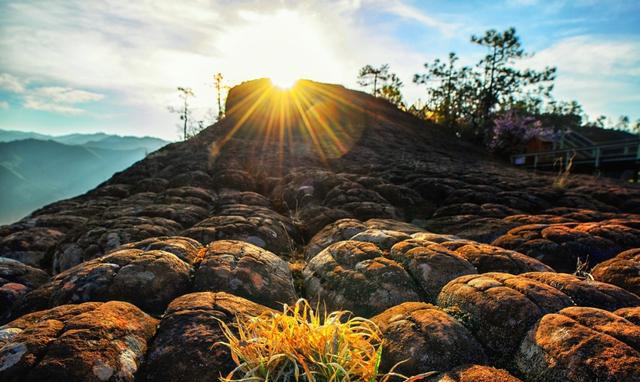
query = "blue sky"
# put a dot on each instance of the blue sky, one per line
(86, 66)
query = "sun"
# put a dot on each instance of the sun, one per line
(283, 82)
(284, 46)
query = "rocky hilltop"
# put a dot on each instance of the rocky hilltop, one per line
(472, 269)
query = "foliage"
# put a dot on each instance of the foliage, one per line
(512, 131)
(500, 80)
(450, 92)
(371, 76)
(467, 98)
(300, 344)
(391, 91)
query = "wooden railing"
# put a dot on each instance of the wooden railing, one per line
(595, 156)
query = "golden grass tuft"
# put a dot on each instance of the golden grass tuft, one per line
(299, 344)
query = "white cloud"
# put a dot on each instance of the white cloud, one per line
(11, 83)
(594, 71)
(4, 105)
(57, 99)
(406, 11)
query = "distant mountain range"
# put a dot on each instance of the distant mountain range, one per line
(37, 169)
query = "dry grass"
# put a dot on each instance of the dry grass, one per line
(300, 344)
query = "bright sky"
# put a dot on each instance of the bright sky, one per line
(113, 66)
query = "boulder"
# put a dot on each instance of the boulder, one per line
(467, 373)
(187, 345)
(16, 279)
(499, 308)
(623, 271)
(149, 280)
(186, 249)
(245, 270)
(488, 258)
(87, 342)
(425, 338)
(356, 276)
(580, 344)
(585, 292)
(432, 266)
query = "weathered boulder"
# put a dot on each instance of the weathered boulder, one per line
(187, 345)
(488, 258)
(432, 266)
(185, 248)
(340, 230)
(355, 276)
(585, 292)
(623, 271)
(383, 238)
(631, 314)
(104, 236)
(561, 245)
(245, 270)
(499, 308)
(468, 373)
(425, 338)
(267, 230)
(30, 246)
(87, 342)
(16, 279)
(149, 280)
(581, 344)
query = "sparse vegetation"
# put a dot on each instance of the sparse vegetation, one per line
(301, 344)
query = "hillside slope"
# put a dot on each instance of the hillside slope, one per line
(328, 194)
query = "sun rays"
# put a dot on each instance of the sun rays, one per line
(304, 120)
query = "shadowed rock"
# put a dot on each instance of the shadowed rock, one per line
(16, 279)
(623, 271)
(468, 373)
(187, 345)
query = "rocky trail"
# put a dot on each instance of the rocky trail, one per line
(466, 264)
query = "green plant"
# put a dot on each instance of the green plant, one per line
(299, 344)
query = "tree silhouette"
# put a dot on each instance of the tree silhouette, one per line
(184, 111)
(219, 86)
(500, 80)
(371, 76)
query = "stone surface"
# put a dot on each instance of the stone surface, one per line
(585, 292)
(426, 338)
(149, 280)
(186, 346)
(499, 308)
(487, 258)
(432, 266)
(355, 276)
(186, 249)
(468, 373)
(245, 270)
(16, 279)
(87, 342)
(623, 271)
(561, 245)
(581, 344)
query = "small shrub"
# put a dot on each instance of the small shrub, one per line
(300, 344)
